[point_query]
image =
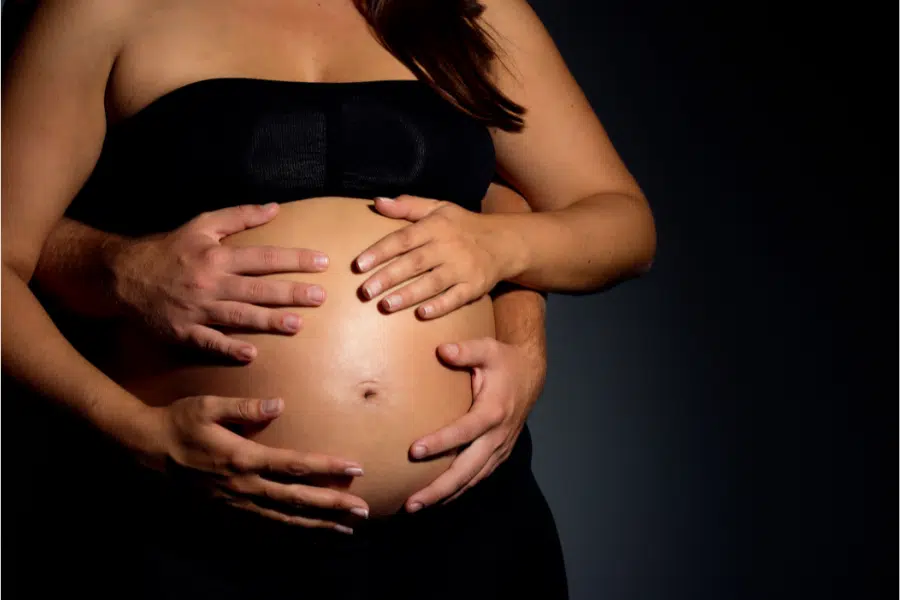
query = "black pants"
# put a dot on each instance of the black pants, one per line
(106, 534)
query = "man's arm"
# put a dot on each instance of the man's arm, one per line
(519, 313)
(180, 282)
(75, 269)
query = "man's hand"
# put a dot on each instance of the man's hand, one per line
(184, 283)
(506, 382)
(192, 441)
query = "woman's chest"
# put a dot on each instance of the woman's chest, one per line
(221, 142)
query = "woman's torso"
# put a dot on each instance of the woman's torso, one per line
(208, 111)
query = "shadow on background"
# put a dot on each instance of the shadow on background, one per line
(716, 429)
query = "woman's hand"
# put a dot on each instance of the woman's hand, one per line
(463, 255)
(506, 381)
(197, 447)
(186, 282)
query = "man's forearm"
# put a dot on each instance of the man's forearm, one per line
(519, 313)
(74, 270)
(520, 316)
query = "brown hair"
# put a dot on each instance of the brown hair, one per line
(444, 44)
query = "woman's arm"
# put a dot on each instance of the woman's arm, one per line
(591, 225)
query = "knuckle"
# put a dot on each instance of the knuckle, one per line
(198, 281)
(208, 343)
(246, 211)
(298, 293)
(441, 219)
(236, 315)
(418, 262)
(269, 257)
(215, 257)
(438, 279)
(300, 468)
(256, 289)
(300, 497)
(336, 502)
(202, 219)
(205, 405)
(238, 484)
(245, 409)
(405, 238)
(181, 332)
(241, 462)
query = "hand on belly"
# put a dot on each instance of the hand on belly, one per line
(357, 383)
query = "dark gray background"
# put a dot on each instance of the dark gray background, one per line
(724, 427)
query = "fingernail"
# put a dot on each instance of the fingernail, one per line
(372, 289)
(426, 310)
(392, 302)
(452, 350)
(419, 451)
(291, 322)
(384, 199)
(247, 353)
(271, 406)
(321, 261)
(360, 512)
(415, 506)
(316, 294)
(344, 529)
(354, 471)
(269, 206)
(364, 262)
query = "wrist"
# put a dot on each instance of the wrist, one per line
(118, 259)
(512, 252)
(139, 429)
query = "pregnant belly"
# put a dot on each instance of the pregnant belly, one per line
(357, 383)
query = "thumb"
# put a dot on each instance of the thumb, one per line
(226, 221)
(411, 208)
(243, 410)
(470, 353)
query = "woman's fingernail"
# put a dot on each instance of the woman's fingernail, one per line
(419, 451)
(271, 406)
(270, 206)
(426, 310)
(364, 262)
(291, 322)
(415, 506)
(384, 199)
(392, 302)
(321, 261)
(247, 353)
(344, 529)
(354, 471)
(372, 289)
(452, 350)
(360, 512)
(316, 294)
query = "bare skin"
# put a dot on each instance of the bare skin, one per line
(355, 382)
(106, 63)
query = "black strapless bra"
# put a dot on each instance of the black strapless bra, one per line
(226, 141)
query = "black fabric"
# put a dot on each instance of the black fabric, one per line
(219, 142)
(83, 520)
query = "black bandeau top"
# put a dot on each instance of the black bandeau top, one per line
(226, 141)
